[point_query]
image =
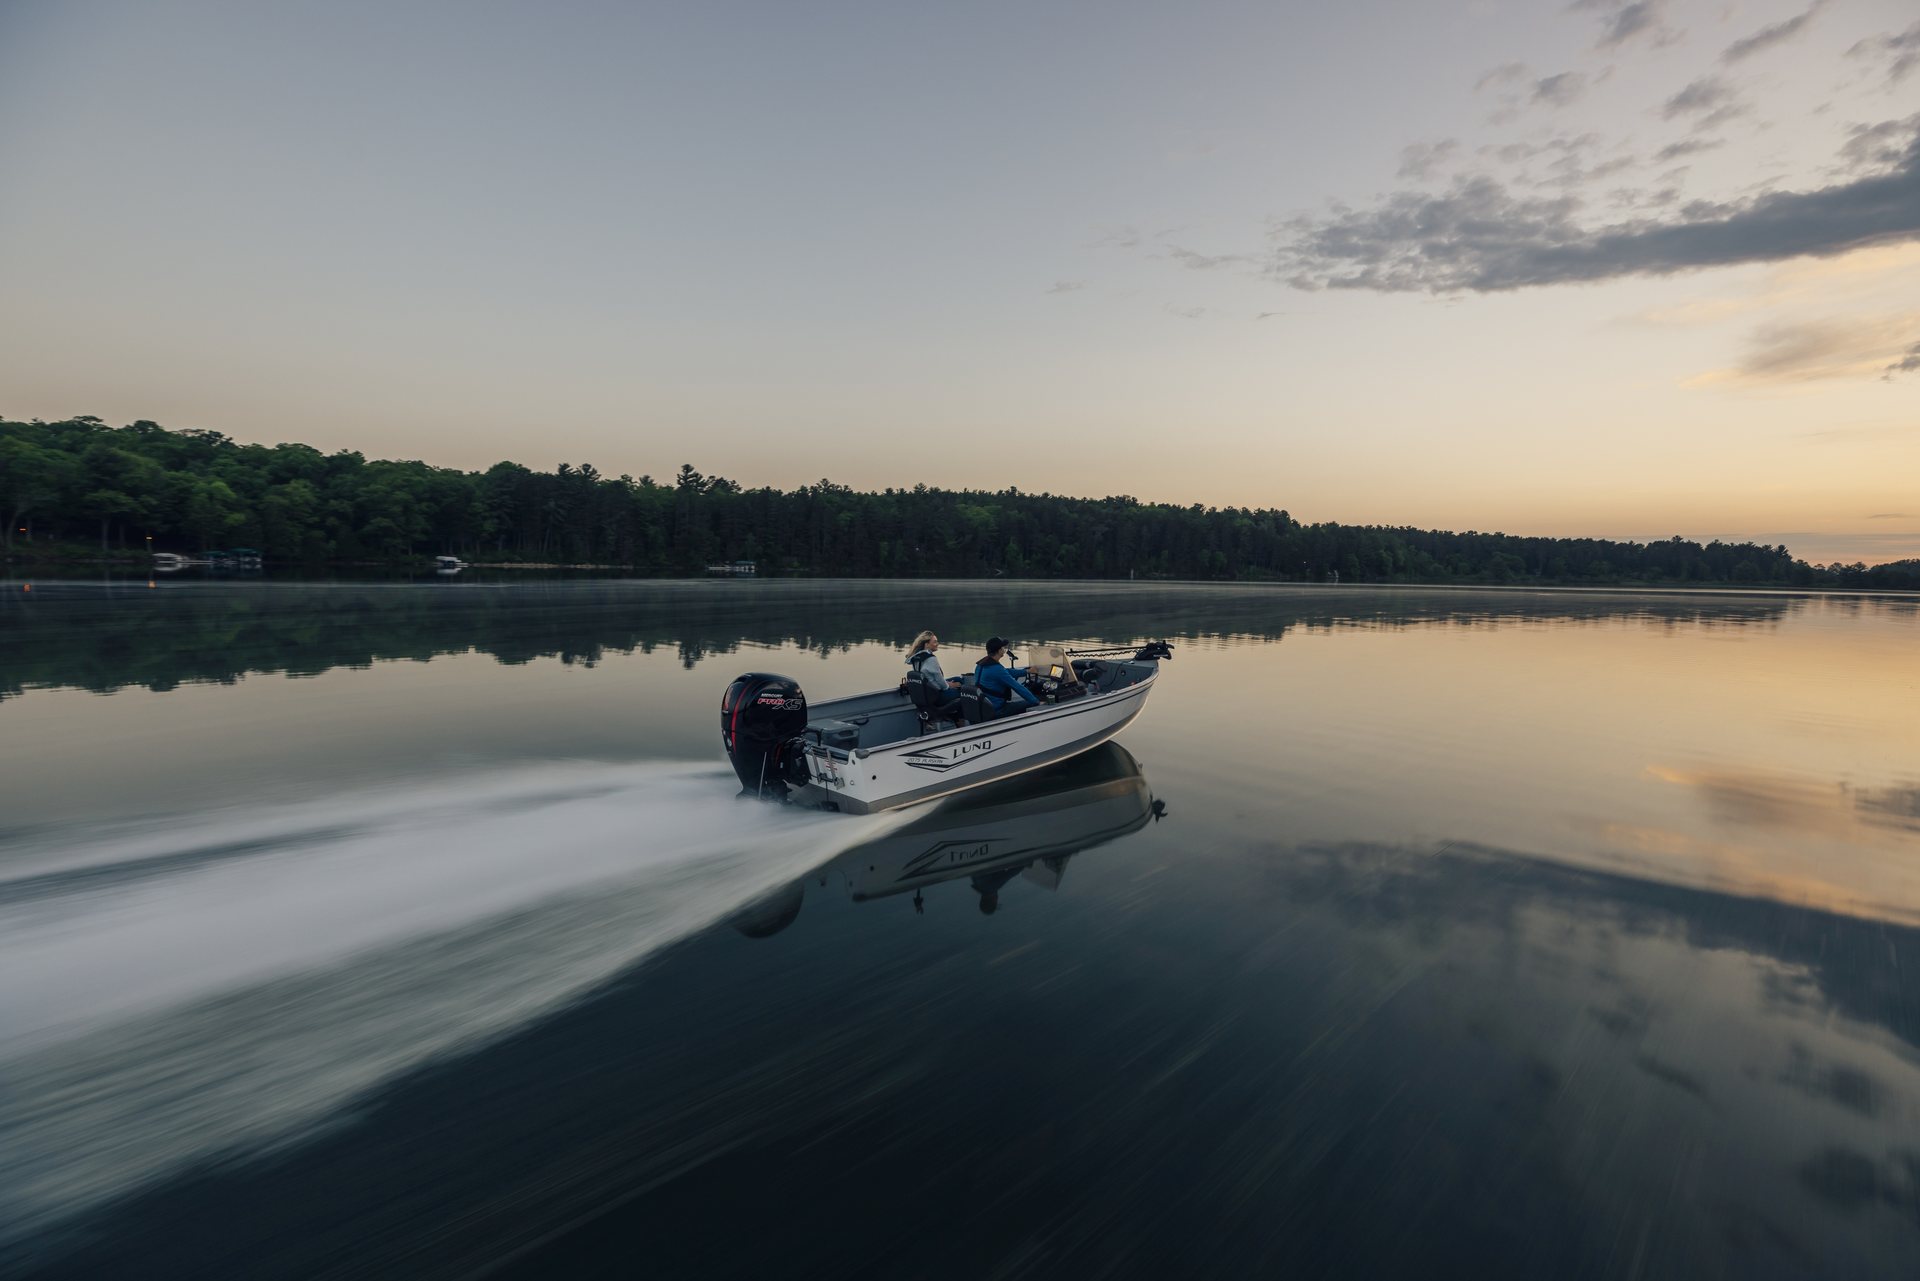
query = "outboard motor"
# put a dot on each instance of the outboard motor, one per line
(762, 719)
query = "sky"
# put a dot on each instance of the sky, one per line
(1621, 268)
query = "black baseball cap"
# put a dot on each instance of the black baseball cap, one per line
(1000, 642)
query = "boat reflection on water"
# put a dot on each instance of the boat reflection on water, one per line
(1027, 828)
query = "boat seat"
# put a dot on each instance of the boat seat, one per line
(976, 707)
(923, 691)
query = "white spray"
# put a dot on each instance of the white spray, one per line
(170, 992)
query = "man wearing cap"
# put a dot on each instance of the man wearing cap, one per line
(997, 682)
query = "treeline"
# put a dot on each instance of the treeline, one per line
(196, 490)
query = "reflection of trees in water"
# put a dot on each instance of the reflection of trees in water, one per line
(106, 638)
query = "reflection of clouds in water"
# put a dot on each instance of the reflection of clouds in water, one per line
(1840, 1083)
(1851, 1181)
(1832, 962)
(1629, 1017)
(1893, 806)
(1789, 872)
(1773, 834)
(1754, 798)
(1679, 1078)
(1778, 1045)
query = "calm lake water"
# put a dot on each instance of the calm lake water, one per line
(413, 929)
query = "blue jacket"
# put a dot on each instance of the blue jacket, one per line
(998, 683)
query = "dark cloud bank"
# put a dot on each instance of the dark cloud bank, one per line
(1480, 236)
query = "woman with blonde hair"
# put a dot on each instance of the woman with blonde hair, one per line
(920, 657)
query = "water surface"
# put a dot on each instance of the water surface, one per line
(412, 927)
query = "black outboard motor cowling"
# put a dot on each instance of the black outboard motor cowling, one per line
(762, 718)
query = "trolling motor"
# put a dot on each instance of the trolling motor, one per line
(1092, 663)
(762, 720)
(1151, 652)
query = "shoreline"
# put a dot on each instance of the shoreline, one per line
(13, 576)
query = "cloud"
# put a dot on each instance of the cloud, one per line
(1568, 171)
(1710, 97)
(1875, 146)
(1798, 351)
(1643, 198)
(1767, 37)
(1067, 286)
(1907, 364)
(1901, 49)
(1854, 435)
(1515, 153)
(1207, 262)
(1801, 349)
(1517, 89)
(1686, 147)
(1890, 516)
(1479, 236)
(1506, 73)
(1566, 165)
(1420, 160)
(1622, 21)
(1185, 313)
(1560, 90)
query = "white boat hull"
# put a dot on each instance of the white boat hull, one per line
(868, 780)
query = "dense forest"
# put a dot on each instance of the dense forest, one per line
(127, 488)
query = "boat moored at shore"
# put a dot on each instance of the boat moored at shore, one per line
(234, 558)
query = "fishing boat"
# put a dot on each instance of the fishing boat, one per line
(1024, 829)
(897, 746)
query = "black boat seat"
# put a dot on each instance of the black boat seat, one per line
(924, 692)
(978, 709)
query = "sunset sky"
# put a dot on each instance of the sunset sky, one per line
(1616, 267)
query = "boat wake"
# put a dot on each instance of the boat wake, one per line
(177, 991)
